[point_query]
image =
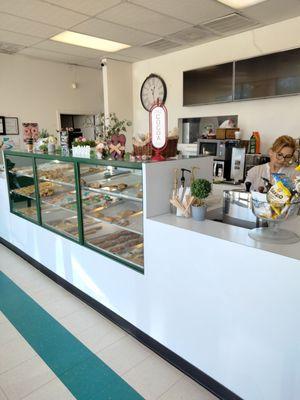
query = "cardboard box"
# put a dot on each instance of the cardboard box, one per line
(226, 133)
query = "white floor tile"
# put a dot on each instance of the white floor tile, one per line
(2, 318)
(53, 390)
(152, 377)
(47, 295)
(25, 378)
(124, 354)
(187, 389)
(66, 306)
(81, 320)
(7, 333)
(99, 336)
(2, 395)
(14, 353)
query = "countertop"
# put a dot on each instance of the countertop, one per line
(234, 234)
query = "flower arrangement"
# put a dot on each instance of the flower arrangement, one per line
(82, 141)
(112, 125)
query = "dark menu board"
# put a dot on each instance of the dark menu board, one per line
(267, 76)
(208, 85)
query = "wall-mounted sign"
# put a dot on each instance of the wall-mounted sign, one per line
(158, 120)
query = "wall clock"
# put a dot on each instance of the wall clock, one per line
(153, 88)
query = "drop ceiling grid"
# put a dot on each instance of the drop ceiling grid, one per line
(191, 11)
(17, 38)
(42, 12)
(20, 25)
(138, 23)
(116, 32)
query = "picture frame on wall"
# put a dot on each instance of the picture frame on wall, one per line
(2, 126)
(12, 126)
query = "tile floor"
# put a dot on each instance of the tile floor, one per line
(24, 375)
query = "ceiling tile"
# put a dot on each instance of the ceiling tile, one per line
(69, 49)
(193, 11)
(140, 53)
(163, 45)
(17, 38)
(43, 12)
(144, 19)
(21, 25)
(88, 7)
(110, 31)
(53, 56)
(272, 11)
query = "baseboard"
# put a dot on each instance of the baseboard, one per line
(188, 369)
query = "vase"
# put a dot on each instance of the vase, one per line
(51, 148)
(199, 213)
(81, 151)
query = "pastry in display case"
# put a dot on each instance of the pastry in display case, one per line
(93, 203)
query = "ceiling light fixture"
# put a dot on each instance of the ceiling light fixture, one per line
(92, 42)
(239, 4)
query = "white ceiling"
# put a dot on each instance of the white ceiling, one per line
(151, 27)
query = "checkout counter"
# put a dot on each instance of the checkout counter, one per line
(225, 306)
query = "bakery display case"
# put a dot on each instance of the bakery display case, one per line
(96, 203)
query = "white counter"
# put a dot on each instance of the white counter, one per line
(235, 234)
(224, 303)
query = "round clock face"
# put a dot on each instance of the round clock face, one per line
(153, 88)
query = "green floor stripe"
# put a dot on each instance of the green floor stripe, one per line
(84, 374)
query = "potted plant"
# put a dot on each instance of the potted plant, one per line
(200, 189)
(43, 148)
(112, 125)
(51, 144)
(81, 147)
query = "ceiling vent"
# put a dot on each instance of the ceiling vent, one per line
(161, 45)
(193, 34)
(10, 48)
(230, 23)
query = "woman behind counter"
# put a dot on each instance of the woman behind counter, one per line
(281, 157)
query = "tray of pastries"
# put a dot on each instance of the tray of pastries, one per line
(119, 243)
(45, 189)
(124, 213)
(127, 184)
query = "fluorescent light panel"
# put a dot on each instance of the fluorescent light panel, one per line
(239, 4)
(92, 42)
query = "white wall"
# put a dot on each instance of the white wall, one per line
(34, 90)
(272, 117)
(119, 93)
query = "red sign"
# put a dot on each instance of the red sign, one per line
(158, 120)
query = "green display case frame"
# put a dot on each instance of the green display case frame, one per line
(93, 160)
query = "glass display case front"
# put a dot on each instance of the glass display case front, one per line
(21, 186)
(95, 203)
(112, 198)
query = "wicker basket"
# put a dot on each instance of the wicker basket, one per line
(145, 150)
(171, 148)
(169, 151)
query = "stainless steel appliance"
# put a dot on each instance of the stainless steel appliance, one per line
(222, 151)
(237, 164)
(218, 169)
(237, 206)
(190, 131)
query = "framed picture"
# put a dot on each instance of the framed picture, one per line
(2, 126)
(30, 130)
(11, 126)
